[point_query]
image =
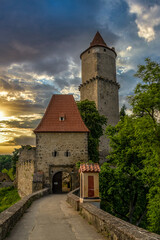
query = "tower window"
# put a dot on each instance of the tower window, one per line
(104, 50)
(55, 153)
(67, 153)
(89, 51)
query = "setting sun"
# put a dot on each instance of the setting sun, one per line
(1, 114)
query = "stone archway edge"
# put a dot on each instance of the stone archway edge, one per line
(110, 226)
(10, 216)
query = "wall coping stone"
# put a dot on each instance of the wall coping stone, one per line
(111, 226)
(10, 216)
(73, 199)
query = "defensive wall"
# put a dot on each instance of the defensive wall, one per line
(25, 171)
(10, 216)
(111, 227)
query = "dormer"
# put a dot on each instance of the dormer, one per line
(62, 117)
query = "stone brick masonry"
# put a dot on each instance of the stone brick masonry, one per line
(75, 143)
(111, 227)
(10, 216)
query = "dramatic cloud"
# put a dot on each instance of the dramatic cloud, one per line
(40, 45)
(147, 18)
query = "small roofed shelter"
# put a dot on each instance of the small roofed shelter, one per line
(89, 183)
(4, 177)
(61, 141)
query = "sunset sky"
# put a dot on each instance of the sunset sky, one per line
(40, 44)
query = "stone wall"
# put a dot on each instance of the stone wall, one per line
(111, 227)
(73, 199)
(108, 105)
(25, 171)
(105, 94)
(48, 143)
(89, 91)
(10, 216)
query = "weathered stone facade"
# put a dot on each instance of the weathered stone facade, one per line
(99, 85)
(98, 61)
(47, 143)
(25, 171)
(111, 227)
(36, 167)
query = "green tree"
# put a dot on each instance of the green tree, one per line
(121, 182)
(146, 98)
(94, 121)
(146, 104)
(133, 167)
(5, 162)
(15, 157)
(8, 197)
(123, 111)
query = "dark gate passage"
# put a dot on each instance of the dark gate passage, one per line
(61, 182)
(57, 183)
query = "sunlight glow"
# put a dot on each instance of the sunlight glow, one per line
(1, 115)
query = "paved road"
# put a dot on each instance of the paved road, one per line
(52, 218)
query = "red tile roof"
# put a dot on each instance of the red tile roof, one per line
(62, 106)
(93, 167)
(98, 40)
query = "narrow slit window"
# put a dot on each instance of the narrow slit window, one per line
(55, 153)
(67, 153)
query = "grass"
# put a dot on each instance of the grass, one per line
(8, 196)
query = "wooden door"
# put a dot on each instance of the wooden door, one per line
(90, 186)
(57, 183)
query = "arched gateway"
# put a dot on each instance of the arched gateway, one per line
(63, 178)
(61, 182)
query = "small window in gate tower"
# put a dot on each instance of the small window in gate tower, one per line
(67, 153)
(62, 117)
(54, 154)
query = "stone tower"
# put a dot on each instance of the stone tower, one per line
(99, 83)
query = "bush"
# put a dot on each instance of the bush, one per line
(8, 196)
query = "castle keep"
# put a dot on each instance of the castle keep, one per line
(61, 136)
(99, 84)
